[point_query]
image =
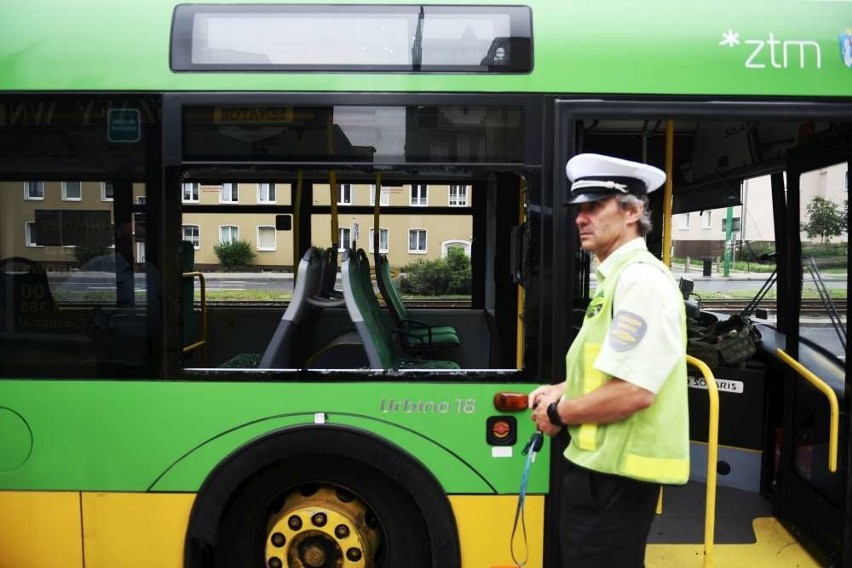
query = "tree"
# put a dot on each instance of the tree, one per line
(825, 219)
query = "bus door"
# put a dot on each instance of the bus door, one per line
(813, 493)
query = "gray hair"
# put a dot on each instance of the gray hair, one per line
(628, 200)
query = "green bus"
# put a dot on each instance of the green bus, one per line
(195, 369)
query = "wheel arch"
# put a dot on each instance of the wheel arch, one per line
(375, 455)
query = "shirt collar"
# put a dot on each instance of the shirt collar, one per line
(615, 258)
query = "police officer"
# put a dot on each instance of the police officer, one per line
(624, 401)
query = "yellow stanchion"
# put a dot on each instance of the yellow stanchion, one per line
(829, 394)
(712, 457)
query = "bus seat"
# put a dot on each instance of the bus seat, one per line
(369, 319)
(418, 335)
(289, 342)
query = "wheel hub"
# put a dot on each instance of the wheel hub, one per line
(322, 527)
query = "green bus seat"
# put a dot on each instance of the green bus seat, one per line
(370, 321)
(418, 335)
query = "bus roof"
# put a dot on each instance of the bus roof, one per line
(702, 47)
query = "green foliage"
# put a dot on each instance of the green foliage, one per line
(825, 220)
(752, 252)
(440, 277)
(234, 254)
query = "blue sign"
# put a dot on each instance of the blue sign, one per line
(846, 49)
(124, 125)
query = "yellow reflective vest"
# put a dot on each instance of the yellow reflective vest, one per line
(651, 445)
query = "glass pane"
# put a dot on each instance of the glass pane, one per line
(377, 134)
(73, 284)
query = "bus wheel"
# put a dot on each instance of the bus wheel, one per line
(321, 497)
(321, 526)
(329, 513)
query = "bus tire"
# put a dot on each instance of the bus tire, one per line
(231, 519)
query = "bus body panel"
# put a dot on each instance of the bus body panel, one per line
(196, 425)
(717, 48)
(43, 529)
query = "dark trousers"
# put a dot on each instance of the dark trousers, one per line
(605, 519)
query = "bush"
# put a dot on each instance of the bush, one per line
(752, 252)
(441, 277)
(234, 254)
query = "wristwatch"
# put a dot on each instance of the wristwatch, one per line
(553, 414)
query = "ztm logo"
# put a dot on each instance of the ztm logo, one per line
(776, 53)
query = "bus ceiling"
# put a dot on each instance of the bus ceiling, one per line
(711, 157)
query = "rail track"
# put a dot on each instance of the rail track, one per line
(811, 307)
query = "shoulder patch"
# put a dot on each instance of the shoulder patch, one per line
(626, 331)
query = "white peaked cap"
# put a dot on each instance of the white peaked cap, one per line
(595, 177)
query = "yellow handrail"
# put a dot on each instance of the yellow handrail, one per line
(667, 195)
(203, 341)
(832, 403)
(712, 457)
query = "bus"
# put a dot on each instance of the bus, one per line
(195, 369)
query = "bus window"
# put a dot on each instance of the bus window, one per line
(74, 278)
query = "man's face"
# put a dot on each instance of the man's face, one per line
(604, 226)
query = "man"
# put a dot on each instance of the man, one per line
(624, 400)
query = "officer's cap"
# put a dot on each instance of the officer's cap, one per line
(596, 177)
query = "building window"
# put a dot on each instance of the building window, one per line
(31, 237)
(735, 225)
(229, 233)
(344, 194)
(458, 196)
(384, 199)
(190, 192)
(463, 246)
(266, 238)
(683, 224)
(34, 190)
(106, 191)
(192, 233)
(417, 241)
(229, 193)
(383, 240)
(72, 191)
(419, 195)
(707, 220)
(343, 239)
(266, 193)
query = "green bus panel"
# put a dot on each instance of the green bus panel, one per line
(700, 47)
(168, 436)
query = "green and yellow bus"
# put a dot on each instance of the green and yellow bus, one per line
(194, 366)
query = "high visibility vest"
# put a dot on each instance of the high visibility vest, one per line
(651, 445)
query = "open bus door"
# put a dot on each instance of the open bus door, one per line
(812, 497)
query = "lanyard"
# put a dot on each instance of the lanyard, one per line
(530, 449)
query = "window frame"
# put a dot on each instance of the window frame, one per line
(235, 228)
(34, 184)
(195, 189)
(271, 197)
(64, 194)
(425, 249)
(233, 194)
(383, 231)
(196, 242)
(450, 201)
(274, 238)
(422, 195)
